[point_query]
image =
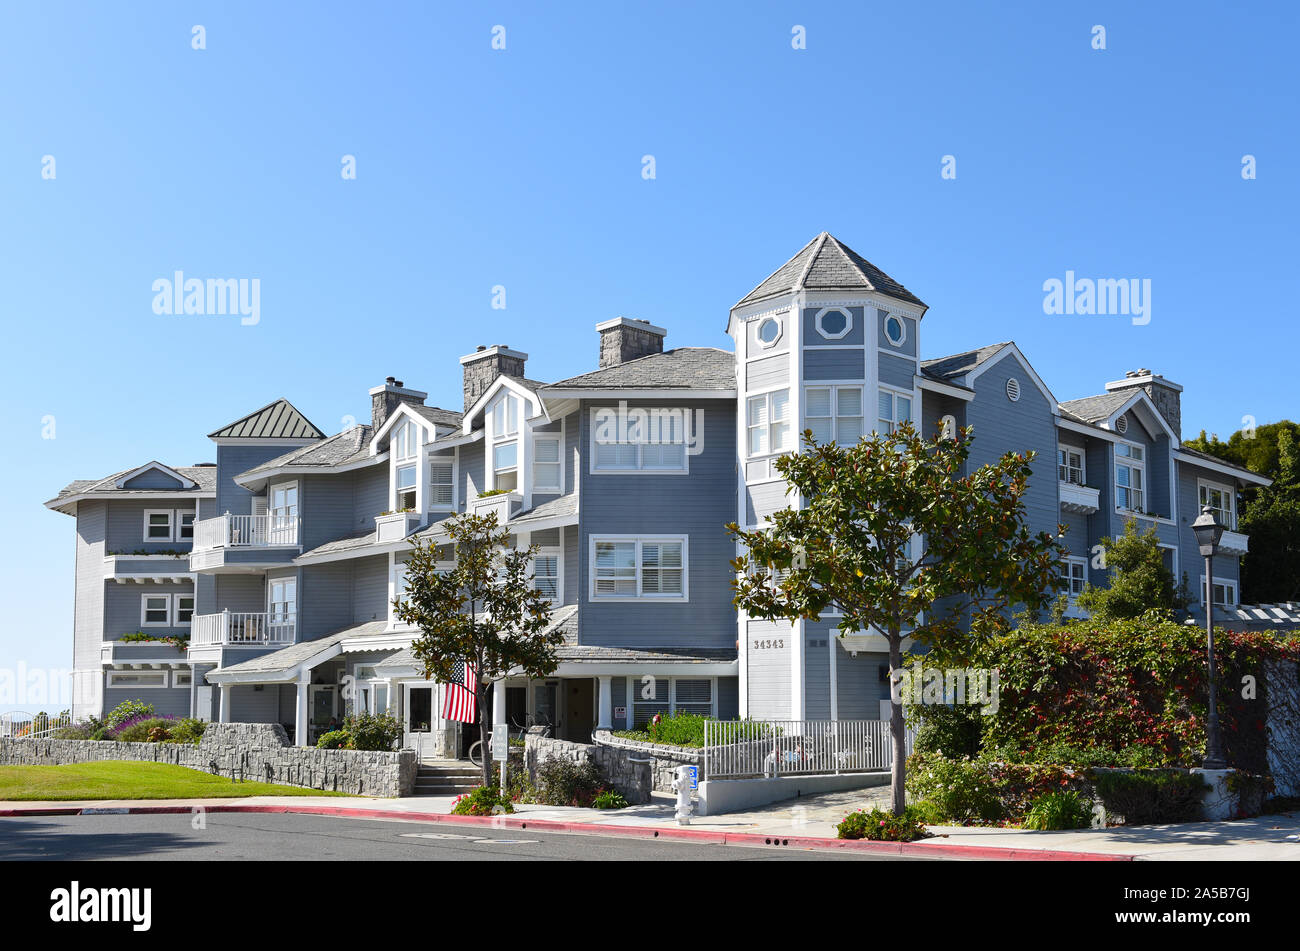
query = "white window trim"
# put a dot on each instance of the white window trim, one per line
(771, 453)
(558, 554)
(171, 525)
(1229, 494)
(176, 524)
(884, 328)
(114, 674)
(594, 469)
(1074, 560)
(144, 602)
(558, 439)
(1083, 463)
(1226, 583)
(633, 687)
(780, 332)
(895, 393)
(178, 674)
(848, 323)
(1131, 464)
(441, 459)
(835, 416)
(682, 598)
(176, 609)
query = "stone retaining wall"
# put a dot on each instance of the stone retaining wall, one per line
(254, 752)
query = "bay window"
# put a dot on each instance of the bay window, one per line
(893, 410)
(834, 414)
(768, 426)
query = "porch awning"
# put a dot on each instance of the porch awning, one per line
(287, 663)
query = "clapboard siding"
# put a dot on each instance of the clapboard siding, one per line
(768, 682)
(841, 364)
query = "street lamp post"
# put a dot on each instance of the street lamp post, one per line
(1208, 531)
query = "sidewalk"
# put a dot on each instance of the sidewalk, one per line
(806, 823)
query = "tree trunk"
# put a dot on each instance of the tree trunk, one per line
(897, 731)
(484, 732)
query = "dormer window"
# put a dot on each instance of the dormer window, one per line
(405, 484)
(505, 465)
(505, 417)
(406, 443)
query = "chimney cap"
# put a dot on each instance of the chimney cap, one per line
(394, 385)
(632, 322)
(492, 351)
(1138, 377)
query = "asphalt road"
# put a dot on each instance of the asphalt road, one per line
(256, 836)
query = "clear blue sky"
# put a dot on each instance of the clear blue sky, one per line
(522, 168)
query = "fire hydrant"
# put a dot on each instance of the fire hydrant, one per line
(682, 786)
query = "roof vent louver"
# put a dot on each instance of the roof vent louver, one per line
(1013, 389)
(1121, 424)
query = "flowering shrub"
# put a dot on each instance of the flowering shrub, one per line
(883, 826)
(981, 790)
(482, 801)
(127, 710)
(143, 728)
(1131, 689)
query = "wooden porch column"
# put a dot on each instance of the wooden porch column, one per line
(301, 713)
(605, 705)
(223, 711)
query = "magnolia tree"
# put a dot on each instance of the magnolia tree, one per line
(847, 544)
(484, 611)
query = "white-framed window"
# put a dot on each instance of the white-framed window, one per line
(548, 473)
(768, 332)
(155, 610)
(1222, 502)
(142, 679)
(768, 426)
(895, 330)
(505, 417)
(282, 603)
(630, 568)
(1074, 572)
(505, 465)
(406, 441)
(183, 609)
(834, 413)
(182, 678)
(649, 440)
(404, 486)
(1130, 477)
(892, 410)
(833, 323)
(668, 695)
(1069, 465)
(546, 573)
(185, 526)
(158, 525)
(1224, 594)
(441, 482)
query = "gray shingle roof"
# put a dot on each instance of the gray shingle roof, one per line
(1209, 457)
(825, 263)
(286, 658)
(687, 368)
(278, 420)
(959, 364)
(438, 415)
(1093, 409)
(564, 506)
(348, 446)
(360, 539)
(204, 477)
(639, 655)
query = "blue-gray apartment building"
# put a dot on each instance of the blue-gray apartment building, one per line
(280, 560)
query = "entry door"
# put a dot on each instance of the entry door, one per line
(322, 701)
(579, 719)
(417, 716)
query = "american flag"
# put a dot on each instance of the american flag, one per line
(459, 702)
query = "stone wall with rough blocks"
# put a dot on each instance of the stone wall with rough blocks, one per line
(630, 779)
(254, 752)
(664, 760)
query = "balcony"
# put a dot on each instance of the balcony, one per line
(233, 543)
(241, 629)
(1081, 499)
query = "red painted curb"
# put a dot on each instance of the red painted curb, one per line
(929, 848)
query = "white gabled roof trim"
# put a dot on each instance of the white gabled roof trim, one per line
(467, 422)
(401, 410)
(938, 386)
(1037, 380)
(168, 471)
(1222, 468)
(627, 393)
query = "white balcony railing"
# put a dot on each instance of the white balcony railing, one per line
(1083, 499)
(246, 531)
(232, 627)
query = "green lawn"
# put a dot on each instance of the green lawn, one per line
(114, 779)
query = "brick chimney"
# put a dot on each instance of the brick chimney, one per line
(624, 338)
(384, 399)
(486, 364)
(1166, 395)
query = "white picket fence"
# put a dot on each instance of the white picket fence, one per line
(31, 726)
(749, 749)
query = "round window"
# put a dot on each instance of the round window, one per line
(895, 330)
(833, 323)
(769, 331)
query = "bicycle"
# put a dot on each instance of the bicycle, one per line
(518, 733)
